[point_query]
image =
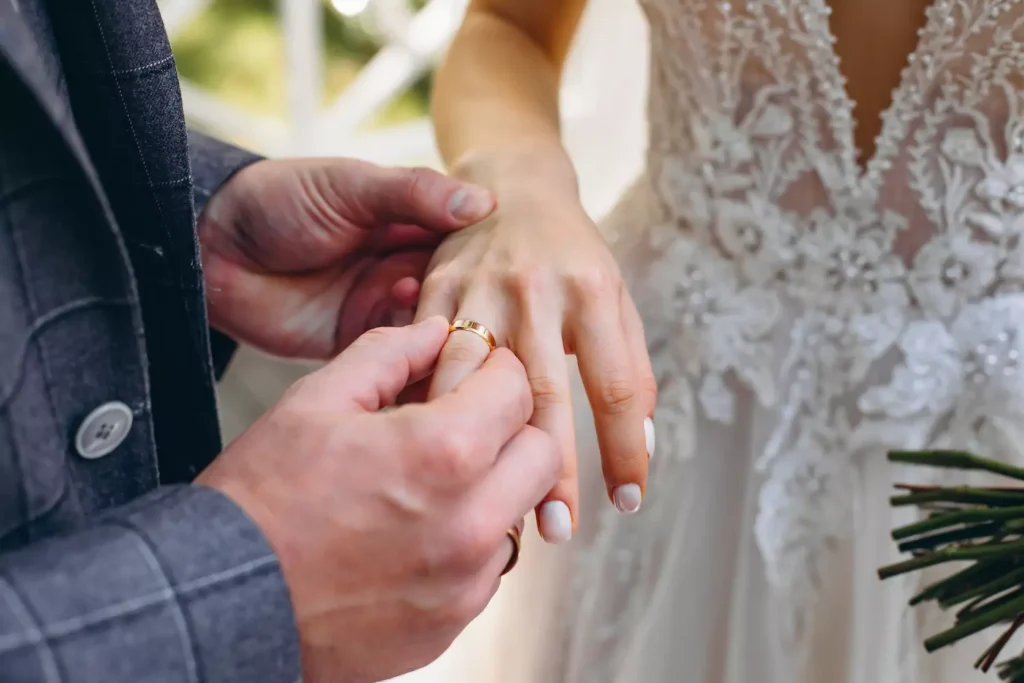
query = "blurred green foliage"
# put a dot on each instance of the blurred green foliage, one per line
(235, 48)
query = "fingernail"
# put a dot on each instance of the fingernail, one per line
(470, 204)
(649, 436)
(627, 498)
(555, 522)
(402, 318)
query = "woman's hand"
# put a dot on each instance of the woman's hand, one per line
(541, 278)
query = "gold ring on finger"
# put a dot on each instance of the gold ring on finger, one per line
(517, 544)
(477, 329)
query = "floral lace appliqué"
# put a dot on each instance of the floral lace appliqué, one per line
(774, 232)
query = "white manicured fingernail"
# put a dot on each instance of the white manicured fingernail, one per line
(555, 522)
(402, 318)
(470, 203)
(649, 436)
(627, 498)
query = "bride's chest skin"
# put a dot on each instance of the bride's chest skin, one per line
(846, 59)
(874, 39)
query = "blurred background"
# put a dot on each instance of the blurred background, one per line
(352, 78)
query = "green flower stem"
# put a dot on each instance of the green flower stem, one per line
(1006, 611)
(966, 533)
(981, 525)
(976, 574)
(1001, 583)
(960, 460)
(949, 519)
(930, 559)
(988, 658)
(985, 604)
(960, 494)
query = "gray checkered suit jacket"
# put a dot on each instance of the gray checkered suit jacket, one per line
(114, 569)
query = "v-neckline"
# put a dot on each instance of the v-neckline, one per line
(870, 166)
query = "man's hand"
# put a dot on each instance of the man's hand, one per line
(302, 256)
(390, 526)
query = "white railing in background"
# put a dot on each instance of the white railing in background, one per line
(413, 43)
(303, 32)
(602, 86)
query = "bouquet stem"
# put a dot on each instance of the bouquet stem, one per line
(980, 527)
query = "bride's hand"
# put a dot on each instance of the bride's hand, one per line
(541, 278)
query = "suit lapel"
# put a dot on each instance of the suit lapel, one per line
(20, 50)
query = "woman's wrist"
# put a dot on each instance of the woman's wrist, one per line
(525, 172)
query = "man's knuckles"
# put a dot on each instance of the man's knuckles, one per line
(440, 451)
(445, 611)
(455, 458)
(452, 551)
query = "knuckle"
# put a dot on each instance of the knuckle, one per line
(617, 396)
(526, 283)
(469, 547)
(409, 425)
(546, 392)
(441, 281)
(593, 283)
(453, 455)
(530, 290)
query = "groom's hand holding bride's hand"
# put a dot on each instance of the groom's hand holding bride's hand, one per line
(390, 527)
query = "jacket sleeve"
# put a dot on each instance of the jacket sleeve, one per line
(213, 163)
(178, 586)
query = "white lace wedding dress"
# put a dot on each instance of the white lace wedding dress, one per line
(804, 315)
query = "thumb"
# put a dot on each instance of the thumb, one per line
(374, 370)
(420, 196)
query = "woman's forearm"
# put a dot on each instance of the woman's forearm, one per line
(496, 96)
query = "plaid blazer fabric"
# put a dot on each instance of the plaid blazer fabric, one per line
(114, 569)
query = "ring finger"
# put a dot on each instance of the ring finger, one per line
(465, 351)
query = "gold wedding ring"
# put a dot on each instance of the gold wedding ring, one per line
(477, 329)
(517, 543)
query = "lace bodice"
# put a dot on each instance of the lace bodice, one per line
(897, 287)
